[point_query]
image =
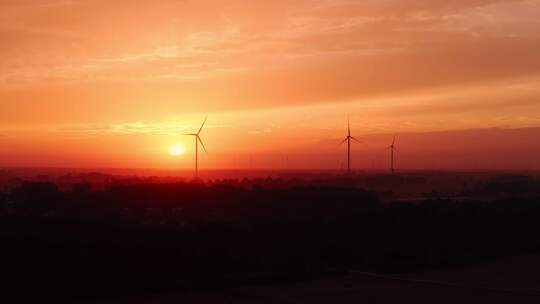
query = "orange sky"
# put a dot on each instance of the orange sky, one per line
(99, 83)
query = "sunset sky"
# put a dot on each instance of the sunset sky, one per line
(102, 83)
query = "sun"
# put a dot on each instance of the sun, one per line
(176, 150)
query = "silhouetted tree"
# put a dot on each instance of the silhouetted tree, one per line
(36, 198)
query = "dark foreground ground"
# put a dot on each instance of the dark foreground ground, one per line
(504, 280)
(278, 241)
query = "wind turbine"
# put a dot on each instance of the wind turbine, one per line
(197, 141)
(348, 140)
(392, 148)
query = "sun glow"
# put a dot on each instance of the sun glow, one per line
(176, 150)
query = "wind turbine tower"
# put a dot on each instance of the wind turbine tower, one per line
(348, 140)
(197, 141)
(393, 149)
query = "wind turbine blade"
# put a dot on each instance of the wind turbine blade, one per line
(394, 141)
(202, 125)
(190, 134)
(348, 127)
(202, 144)
(356, 140)
(344, 141)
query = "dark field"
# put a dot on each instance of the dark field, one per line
(313, 239)
(505, 280)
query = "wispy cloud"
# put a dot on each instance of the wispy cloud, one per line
(262, 131)
(238, 40)
(136, 127)
(253, 54)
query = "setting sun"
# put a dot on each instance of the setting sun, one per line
(176, 150)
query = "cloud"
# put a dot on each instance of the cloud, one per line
(241, 36)
(202, 56)
(262, 131)
(171, 127)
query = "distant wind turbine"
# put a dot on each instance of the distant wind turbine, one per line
(197, 141)
(393, 149)
(348, 140)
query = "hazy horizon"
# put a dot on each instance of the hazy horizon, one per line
(480, 149)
